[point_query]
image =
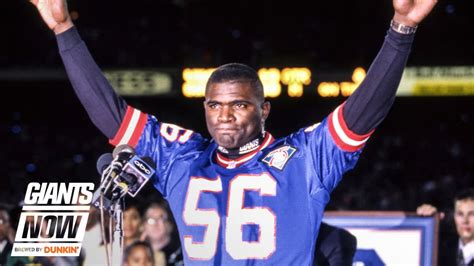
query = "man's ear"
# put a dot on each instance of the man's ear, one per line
(266, 106)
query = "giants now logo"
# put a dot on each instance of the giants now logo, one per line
(53, 220)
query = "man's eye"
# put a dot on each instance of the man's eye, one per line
(213, 106)
(240, 105)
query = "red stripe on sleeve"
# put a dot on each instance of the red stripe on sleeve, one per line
(341, 144)
(349, 133)
(137, 132)
(123, 127)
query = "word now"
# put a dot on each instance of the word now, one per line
(51, 226)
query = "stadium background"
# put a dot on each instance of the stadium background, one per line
(423, 151)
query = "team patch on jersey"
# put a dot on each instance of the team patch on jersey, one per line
(279, 157)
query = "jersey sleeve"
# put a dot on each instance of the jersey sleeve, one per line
(164, 143)
(122, 124)
(371, 102)
(336, 143)
(104, 107)
(330, 149)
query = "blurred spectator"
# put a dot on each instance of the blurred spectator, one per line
(93, 249)
(139, 253)
(132, 223)
(159, 231)
(334, 246)
(5, 243)
(460, 250)
(32, 260)
(28, 261)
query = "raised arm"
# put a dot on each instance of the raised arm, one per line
(105, 108)
(370, 103)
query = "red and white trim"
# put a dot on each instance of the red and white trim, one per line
(342, 135)
(230, 164)
(131, 128)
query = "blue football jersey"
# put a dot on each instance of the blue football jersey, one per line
(264, 208)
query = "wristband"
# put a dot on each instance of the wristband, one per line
(403, 29)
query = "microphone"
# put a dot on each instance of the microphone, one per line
(123, 172)
(136, 172)
(104, 169)
(103, 162)
(110, 166)
(121, 155)
(122, 151)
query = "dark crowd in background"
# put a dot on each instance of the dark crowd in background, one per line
(203, 33)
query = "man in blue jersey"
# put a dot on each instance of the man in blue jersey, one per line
(243, 197)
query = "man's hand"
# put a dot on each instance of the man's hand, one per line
(54, 14)
(412, 12)
(428, 210)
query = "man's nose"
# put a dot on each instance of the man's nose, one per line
(226, 114)
(462, 219)
(465, 219)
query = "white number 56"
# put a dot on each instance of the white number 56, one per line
(237, 216)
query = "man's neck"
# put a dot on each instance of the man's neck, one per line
(129, 240)
(159, 244)
(464, 242)
(467, 247)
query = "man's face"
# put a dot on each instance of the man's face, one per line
(464, 219)
(131, 223)
(4, 225)
(157, 225)
(234, 114)
(138, 257)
